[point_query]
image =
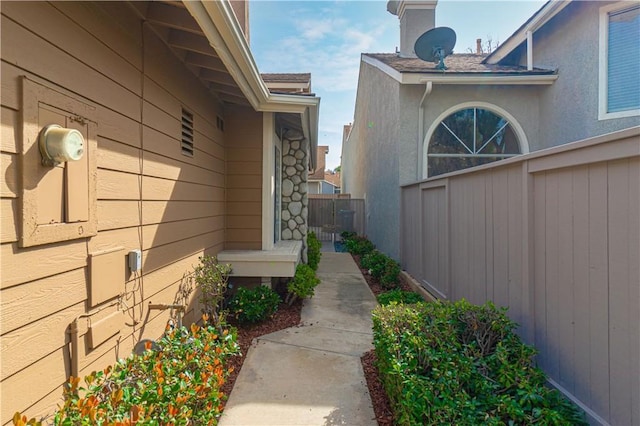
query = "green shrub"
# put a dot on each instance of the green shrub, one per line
(254, 305)
(211, 279)
(455, 363)
(399, 296)
(313, 250)
(347, 235)
(382, 268)
(179, 383)
(359, 245)
(303, 283)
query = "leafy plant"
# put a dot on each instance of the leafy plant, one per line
(254, 305)
(178, 384)
(456, 363)
(382, 267)
(399, 296)
(303, 283)
(313, 250)
(359, 245)
(211, 279)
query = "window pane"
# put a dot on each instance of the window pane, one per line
(624, 60)
(470, 132)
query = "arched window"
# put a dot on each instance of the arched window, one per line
(470, 137)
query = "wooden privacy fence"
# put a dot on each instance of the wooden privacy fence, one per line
(328, 217)
(554, 235)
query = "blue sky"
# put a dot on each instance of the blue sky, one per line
(327, 37)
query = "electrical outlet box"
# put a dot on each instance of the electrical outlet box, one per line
(135, 260)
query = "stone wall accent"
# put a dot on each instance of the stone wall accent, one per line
(294, 192)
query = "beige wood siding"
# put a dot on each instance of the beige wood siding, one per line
(243, 138)
(149, 196)
(555, 236)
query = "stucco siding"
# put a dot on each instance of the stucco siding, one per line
(371, 156)
(569, 109)
(149, 196)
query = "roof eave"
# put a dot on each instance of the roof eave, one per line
(219, 24)
(537, 21)
(461, 79)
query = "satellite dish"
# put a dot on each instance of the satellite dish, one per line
(435, 45)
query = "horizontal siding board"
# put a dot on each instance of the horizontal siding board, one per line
(118, 127)
(244, 235)
(98, 19)
(42, 337)
(8, 220)
(113, 185)
(242, 195)
(113, 214)
(246, 154)
(253, 168)
(31, 302)
(51, 260)
(159, 257)
(159, 143)
(244, 208)
(244, 222)
(169, 211)
(244, 182)
(127, 238)
(9, 136)
(9, 170)
(155, 189)
(163, 167)
(55, 65)
(117, 156)
(59, 30)
(165, 233)
(41, 378)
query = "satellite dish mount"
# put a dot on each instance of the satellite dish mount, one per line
(435, 45)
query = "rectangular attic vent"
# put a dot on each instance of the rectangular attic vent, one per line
(187, 133)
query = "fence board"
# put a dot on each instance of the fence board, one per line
(554, 235)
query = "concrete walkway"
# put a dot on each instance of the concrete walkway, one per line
(312, 375)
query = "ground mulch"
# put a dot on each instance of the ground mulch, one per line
(289, 316)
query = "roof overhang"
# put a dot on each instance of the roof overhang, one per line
(537, 21)
(219, 24)
(460, 78)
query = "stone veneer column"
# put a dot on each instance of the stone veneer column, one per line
(294, 192)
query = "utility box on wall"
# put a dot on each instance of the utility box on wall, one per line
(107, 275)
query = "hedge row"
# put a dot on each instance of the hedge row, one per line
(457, 363)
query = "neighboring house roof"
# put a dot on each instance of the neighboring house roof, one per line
(286, 77)
(292, 83)
(332, 178)
(318, 173)
(219, 27)
(466, 63)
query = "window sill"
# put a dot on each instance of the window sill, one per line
(281, 261)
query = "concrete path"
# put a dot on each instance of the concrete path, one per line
(312, 375)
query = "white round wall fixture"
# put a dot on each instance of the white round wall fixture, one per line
(59, 144)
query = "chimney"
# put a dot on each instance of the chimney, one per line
(416, 17)
(478, 46)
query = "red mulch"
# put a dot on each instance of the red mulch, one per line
(289, 316)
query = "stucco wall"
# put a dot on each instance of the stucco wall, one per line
(569, 109)
(370, 157)
(521, 102)
(149, 196)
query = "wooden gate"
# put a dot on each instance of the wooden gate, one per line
(328, 217)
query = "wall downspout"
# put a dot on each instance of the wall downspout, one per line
(529, 50)
(420, 166)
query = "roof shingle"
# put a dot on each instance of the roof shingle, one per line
(459, 63)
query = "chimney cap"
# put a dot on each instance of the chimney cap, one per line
(397, 7)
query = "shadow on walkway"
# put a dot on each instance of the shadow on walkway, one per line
(311, 374)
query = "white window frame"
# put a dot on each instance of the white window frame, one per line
(515, 126)
(603, 56)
